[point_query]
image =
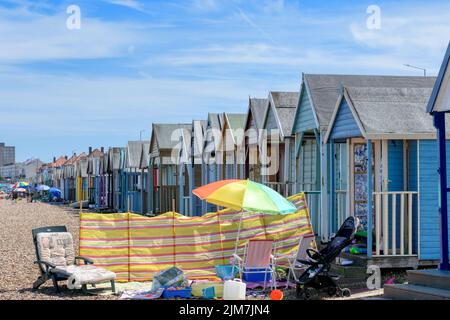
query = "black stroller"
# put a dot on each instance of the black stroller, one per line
(316, 278)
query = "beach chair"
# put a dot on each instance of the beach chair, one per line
(57, 261)
(295, 259)
(257, 259)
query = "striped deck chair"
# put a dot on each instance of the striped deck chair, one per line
(257, 259)
(294, 259)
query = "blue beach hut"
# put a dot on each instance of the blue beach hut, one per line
(391, 174)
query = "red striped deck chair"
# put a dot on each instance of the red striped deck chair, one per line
(258, 259)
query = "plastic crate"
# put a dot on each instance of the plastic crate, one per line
(256, 275)
(179, 293)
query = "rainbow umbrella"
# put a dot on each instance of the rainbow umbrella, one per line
(245, 195)
(21, 184)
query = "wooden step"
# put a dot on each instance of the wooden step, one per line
(430, 278)
(414, 292)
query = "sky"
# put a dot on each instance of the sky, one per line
(132, 63)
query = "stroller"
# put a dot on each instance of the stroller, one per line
(316, 278)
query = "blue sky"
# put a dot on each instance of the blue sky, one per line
(135, 62)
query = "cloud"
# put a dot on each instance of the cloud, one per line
(206, 5)
(132, 4)
(28, 37)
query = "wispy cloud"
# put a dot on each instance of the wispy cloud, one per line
(45, 37)
(132, 4)
(251, 23)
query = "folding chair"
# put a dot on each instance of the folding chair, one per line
(57, 261)
(294, 259)
(257, 259)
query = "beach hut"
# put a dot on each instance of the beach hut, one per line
(116, 166)
(230, 147)
(190, 168)
(69, 176)
(143, 166)
(96, 190)
(163, 156)
(82, 177)
(277, 142)
(391, 175)
(438, 107)
(257, 109)
(133, 177)
(211, 168)
(317, 101)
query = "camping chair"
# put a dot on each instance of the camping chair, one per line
(57, 261)
(294, 259)
(257, 259)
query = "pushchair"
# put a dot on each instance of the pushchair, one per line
(316, 279)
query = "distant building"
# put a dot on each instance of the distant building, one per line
(26, 170)
(7, 155)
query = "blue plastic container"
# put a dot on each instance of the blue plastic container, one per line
(225, 272)
(209, 293)
(182, 293)
(256, 275)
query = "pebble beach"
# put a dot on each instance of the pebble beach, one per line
(17, 250)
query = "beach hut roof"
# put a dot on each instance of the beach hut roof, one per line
(440, 97)
(166, 133)
(145, 155)
(389, 113)
(198, 130)
(324, 89)
(134, 154)
(236, 123)
(258, 109)
(283, 105)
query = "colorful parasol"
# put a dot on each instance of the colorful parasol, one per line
(245, 195)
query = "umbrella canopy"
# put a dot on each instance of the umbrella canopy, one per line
(42, 187)
(54, 193)
(21, 184)
(245, 195)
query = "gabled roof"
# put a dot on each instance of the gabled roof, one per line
(258, 109)
(165, 134)
(71, 160)
(236, 124)
(59, 162)
(390, 113)
(440, 100)
(198, 131)
(283, 105)
(134, 154)
(145, 155)
(96, 153)
(324, 89)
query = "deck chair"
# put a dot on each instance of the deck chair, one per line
(57, 261)
(294, 259)
(257, 259)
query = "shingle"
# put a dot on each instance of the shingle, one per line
(392, 110)
(134, 150)
(325, 89)
(285, 104)
(166, 134)
(258, 108)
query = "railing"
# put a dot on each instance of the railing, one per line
(394, 232)
(285, 189)
(168, 198)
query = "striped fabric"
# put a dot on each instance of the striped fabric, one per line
(136, 247)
